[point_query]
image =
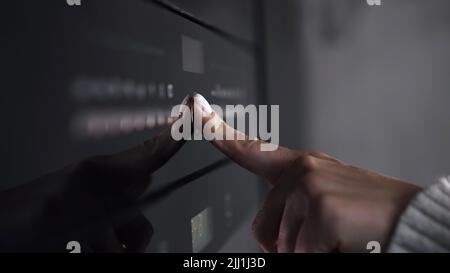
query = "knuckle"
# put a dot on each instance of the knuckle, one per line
(319, 154)
(308, 163)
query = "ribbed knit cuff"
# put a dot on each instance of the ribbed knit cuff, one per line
(425, 224)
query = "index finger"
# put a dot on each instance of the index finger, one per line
(245, 151)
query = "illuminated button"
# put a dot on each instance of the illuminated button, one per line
(126, 124)
(162, 90)
(139, 122)
(150, 121)
(151, 89)
(170, 91)
(141, 92)
(161, 118)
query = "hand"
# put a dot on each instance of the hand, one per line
(317, 203)
(89, 202)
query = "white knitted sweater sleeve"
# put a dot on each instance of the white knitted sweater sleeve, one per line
(425, 224)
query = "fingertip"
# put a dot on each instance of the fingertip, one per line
(202, 103)
(203, 113)
(258, 156)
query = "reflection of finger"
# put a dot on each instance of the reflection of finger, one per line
(247, 152)
(147, 157)
(151, 155)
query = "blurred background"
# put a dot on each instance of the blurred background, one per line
(369, 84)
(365, 84)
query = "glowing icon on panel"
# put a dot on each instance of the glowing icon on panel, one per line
(141, 92)
(202, 230)
(170, 91)
(161, 118)
(161, 90)
(126, 124)
(111, 89)
(139, 122)
(150, 121)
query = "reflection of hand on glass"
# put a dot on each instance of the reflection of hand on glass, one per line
(88, 202)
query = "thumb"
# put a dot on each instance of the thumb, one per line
(245, 151)
(317, 234)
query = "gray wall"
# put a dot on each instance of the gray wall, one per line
(369, 85)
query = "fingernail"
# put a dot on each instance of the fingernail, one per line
(203, 103)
